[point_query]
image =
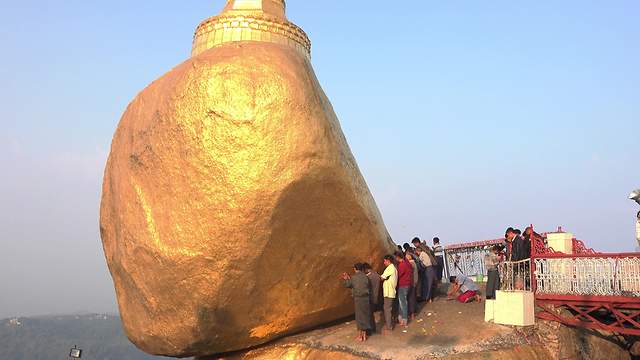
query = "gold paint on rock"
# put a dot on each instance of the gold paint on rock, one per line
(231, 202)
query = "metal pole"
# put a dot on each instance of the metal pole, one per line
(532, 267)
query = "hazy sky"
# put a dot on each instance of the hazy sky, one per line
(465, 117)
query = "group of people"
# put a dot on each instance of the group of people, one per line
(517, 248)
(411, 275)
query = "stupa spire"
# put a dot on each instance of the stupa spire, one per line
(270, 7)
(250, 20)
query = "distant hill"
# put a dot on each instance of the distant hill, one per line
(49, 338)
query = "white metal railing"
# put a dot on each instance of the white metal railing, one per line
(599, 276)
(468, 261)
(515, 275)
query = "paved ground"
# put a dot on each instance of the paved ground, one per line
(443, 329)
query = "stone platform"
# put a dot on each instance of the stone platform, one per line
(443, 330)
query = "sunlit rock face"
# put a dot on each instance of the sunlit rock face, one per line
(231, 202)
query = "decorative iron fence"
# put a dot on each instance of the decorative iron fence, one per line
(593, 275)
(585, 272)
(515, 275)
(468, 258)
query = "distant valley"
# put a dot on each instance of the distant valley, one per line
(100, 336)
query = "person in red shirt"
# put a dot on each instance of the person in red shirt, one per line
(405, 281)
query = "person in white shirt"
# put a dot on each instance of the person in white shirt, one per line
(389, 282)
(438, 251)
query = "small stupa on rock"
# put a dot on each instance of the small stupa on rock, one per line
(231, 200)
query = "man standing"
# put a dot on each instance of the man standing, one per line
(421, 269)
(389, 281)
(429, 277)
(491, 261)
(411, 299)
(417, 243)
(438, 251)
(405, 281)
(376, 299)
(519, 248)
(361, 292)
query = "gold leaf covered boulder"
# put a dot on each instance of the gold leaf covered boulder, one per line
(231, 200)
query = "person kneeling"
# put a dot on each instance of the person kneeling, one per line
(463, 289)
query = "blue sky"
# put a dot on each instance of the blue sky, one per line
(465, 118)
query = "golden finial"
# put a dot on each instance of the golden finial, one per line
(250, 20)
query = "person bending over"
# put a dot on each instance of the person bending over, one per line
(463, 289)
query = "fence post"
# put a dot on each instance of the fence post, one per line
(532, 266)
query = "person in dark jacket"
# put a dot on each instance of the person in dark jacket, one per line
(521, 247)
(517, 247)
(361, 292)
(529, 234)
(376, 294)
(519, 250)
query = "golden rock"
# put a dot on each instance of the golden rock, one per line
(231, 200)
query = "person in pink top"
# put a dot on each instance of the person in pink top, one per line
(405, 281)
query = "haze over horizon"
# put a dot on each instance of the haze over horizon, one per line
(465, 118)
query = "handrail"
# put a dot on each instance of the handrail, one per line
(583, 272)
(598, 276)
(515, 275)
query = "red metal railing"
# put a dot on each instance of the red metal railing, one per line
(597, 290)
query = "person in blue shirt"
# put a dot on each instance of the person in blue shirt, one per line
(463, 289)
